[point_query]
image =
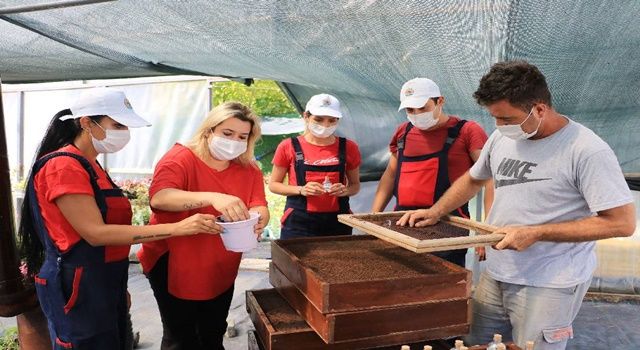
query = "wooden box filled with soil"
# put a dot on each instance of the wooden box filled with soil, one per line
(449, 234)
(374, 323)
(350, 273)
(279, 327)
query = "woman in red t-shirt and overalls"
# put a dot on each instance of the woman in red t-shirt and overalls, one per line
(215, 173)
(323, 172)
(76, 224)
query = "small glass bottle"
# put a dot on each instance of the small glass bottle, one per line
(458, 344)
(326, 185)
(528, 345)
(497, 339)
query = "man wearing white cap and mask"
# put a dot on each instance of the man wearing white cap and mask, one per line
(428, 153)
(76, 224)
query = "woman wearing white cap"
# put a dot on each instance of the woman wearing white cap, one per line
(77, 223)
(193, 277)
(323, 172)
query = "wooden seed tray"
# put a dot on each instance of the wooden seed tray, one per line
(452, 232)
(350, 273)
(278, 327)
(372, 323)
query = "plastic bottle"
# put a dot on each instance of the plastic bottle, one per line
(326, 184)
(497, 339)
(528, 345)
(458, 344)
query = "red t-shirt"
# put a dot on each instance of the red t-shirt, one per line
(420, 142)
(314, 155)
(200, 268)
(61, 176)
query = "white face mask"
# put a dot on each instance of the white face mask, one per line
(113, 141)
(222, 148)
(422, 121)
(515, 131)
(320, 131)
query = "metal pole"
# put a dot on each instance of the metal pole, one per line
(211, 96)
(48, 6)
(20, 170)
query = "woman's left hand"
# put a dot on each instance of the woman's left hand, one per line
(338, 190)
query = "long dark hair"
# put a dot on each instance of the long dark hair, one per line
(59, 134)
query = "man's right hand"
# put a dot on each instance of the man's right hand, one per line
(419, 218)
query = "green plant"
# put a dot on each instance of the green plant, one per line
(264, 97)
(138, 193)
(9, 339)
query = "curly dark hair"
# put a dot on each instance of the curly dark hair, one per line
(519, 82)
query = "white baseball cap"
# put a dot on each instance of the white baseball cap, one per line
(416, 92)
(324, 104)
(106, 101)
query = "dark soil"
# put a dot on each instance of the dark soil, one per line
(363, 259)
(439, 230)
(280, 314)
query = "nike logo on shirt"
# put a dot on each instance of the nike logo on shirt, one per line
(515, 171)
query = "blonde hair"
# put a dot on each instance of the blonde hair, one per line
(216, 116)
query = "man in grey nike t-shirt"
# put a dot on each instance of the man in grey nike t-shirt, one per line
(558, 188)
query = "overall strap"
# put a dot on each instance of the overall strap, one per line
(452, 135)
(443, 182)
(342, 162)
(342, 157)
(33, 198)
(298, 162)
(401, 145)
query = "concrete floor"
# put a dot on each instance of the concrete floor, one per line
(146, 319)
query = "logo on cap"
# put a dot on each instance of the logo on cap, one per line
(408, 92)
(127, 104)
(326, 102)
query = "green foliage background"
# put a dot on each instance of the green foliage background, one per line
(9, 339)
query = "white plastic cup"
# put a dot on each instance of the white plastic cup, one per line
(239, 236)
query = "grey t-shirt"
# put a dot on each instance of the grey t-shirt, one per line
(569, 175)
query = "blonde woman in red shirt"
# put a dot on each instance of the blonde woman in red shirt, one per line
(215, 173)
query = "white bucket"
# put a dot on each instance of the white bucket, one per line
(239, 236)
